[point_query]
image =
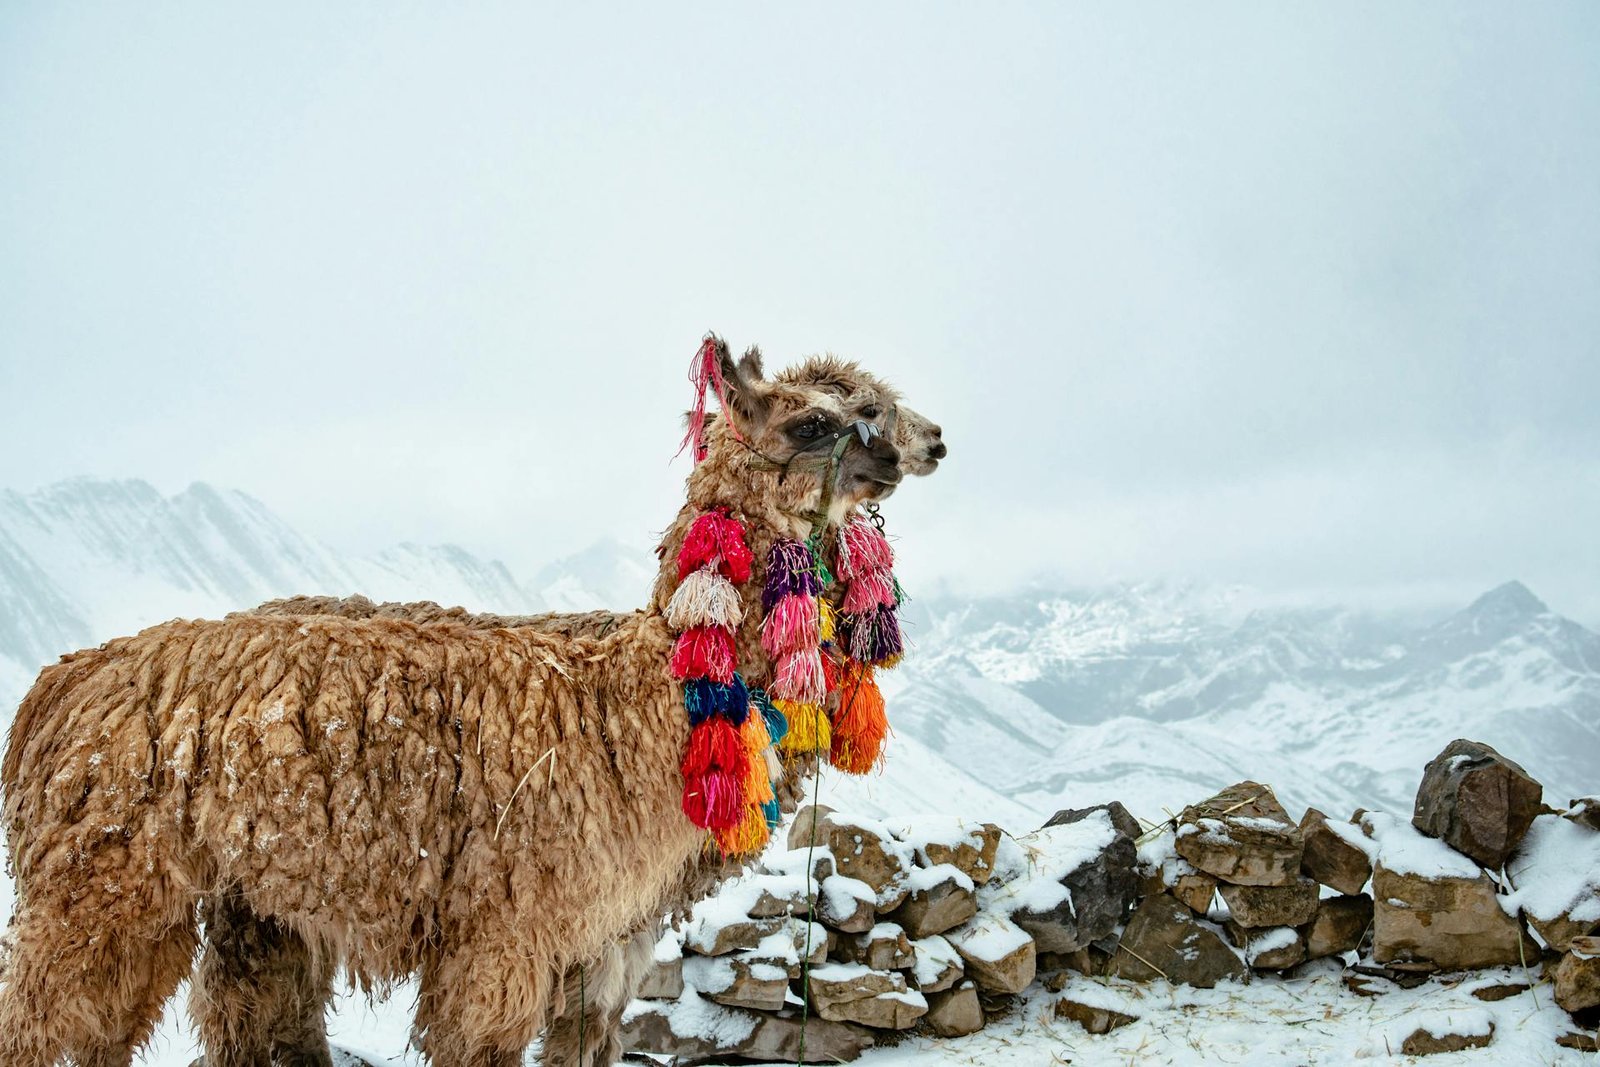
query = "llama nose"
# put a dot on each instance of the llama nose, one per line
(938, 450)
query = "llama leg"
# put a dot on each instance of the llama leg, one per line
(93, 995)
(480, 1004)
(588, 1030)
(259, 994)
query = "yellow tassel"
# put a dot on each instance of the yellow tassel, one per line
(809, 729)
(825, 618)
(892, 662)
(758, 784)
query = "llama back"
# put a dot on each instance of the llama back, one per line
(366, 781)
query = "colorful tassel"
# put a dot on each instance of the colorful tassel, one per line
(798, 677)
(863, 549)
(715, 540)
(776, 724)
(704, 652)
(703, 698)
(716, 746)
(873, 638)
(791, 571)
(714, 801)
(827, 621)
(748, 834)
(809, 729)
(861, 725)
(791, 624)
(865, 592)
(704, 598)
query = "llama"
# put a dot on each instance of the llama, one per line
(244, 949)
(404, 798)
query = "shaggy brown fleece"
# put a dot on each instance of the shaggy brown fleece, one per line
(435, 799)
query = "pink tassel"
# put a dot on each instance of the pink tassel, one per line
(705, 371)
(799, 678)
(704, 652)
(863, 549)
(868, 591)
(792, 624)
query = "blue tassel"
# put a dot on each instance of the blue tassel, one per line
(772, 814)
(777, 724)
(703, 698)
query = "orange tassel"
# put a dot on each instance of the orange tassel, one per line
(861, 724)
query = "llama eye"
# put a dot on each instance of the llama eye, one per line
(871, 411)
(808, 431)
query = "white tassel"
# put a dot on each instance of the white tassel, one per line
(704, 598)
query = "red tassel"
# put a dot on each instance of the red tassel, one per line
(717, 540)
(861, 724)
(714, 801)
(705, 371)
(830, 672)
(704, 652)
(716, 745)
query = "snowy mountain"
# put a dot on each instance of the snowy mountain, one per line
(1156, 696)
(1009, 707)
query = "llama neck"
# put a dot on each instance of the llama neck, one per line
(769, 511)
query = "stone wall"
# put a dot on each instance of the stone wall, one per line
(865, 929)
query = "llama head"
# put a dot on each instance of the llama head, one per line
(920, 441)
(822, 416)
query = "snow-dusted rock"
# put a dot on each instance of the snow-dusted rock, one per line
(1336, 854)
(1477, 801)
(1242, 835)
(1340, 924)
(1164, 939)
(937, 966)
(1435, 909)
(1556, 875)
(1275, 948)
(741, 981)
(1066, 884)
(965, 845)
(853, 992)
(941, 897)
(1449, 1033)
(1271, 905)
(1093, 1007)
(998, 954)
(1577, 975)
(847, 904)
(955, 1012)
(695, 1029)
(862, 848)
(885, 947)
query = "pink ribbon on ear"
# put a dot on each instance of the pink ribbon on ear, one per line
(706, 371)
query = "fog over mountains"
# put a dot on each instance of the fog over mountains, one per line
(1009, 707)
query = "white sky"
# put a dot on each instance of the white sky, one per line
(1306, 297)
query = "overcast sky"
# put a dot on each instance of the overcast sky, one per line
(1301, 297)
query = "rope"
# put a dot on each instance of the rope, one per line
(811, 918)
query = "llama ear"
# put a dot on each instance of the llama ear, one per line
(744, 389)
(750, 368)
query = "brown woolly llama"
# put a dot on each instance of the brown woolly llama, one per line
(402, 798)
(240, 951)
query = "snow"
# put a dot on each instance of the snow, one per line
(693, 1016)
(1556, 871)
(935, 955)
(1404, 849)
(1269, 940)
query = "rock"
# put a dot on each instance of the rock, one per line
(885, 947)
(1120, 817)
(1196, 889)
(759, 1036)
(1477, 801)
(937, 964)
(1092, 1017)
(738, 982)
(1243, 836)
(1577, 976)
(1585, 811)
(1444, 924)
(1339, 927)
(1164, 939)
(1424, 1041)
(997, 953)
(861, 849)
(1331, 857)
(955, 1012)
(1556, 875)
(1271, 905)
(1273, 949)
(1500, 991)
(1578, 1040)
(664, 981)
(847, 904)
(850, 992)
(940, 898)
(710, 939)
(968, 847)
(1092, 858)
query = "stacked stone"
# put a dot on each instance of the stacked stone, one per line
(862, 929)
